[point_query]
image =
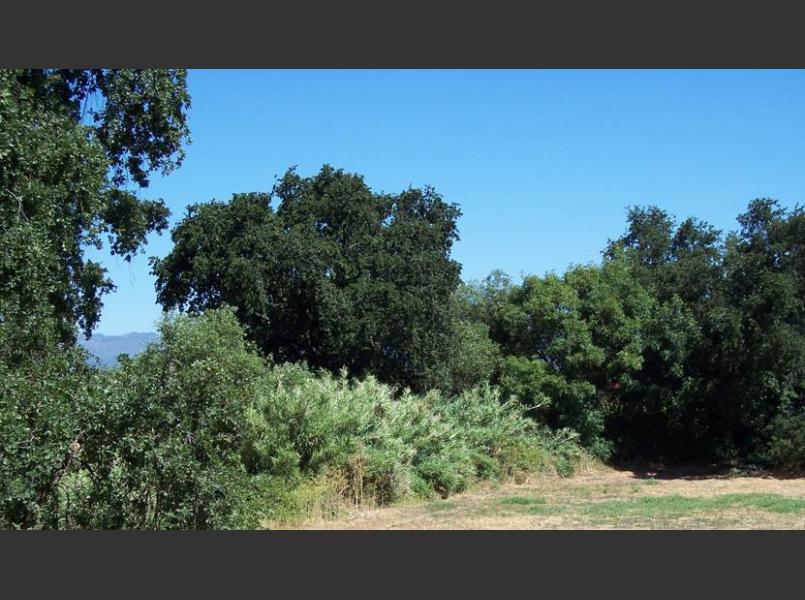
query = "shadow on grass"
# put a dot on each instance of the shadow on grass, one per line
(694, 472)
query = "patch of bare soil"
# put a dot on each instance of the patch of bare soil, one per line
(600, 498)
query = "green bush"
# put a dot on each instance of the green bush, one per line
(473, 357)
(305, 424)
(786, 450)
(164, 450)
(555, 400)
(382, 447)
(41, 433)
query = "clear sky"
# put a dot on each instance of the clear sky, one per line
(542, 163)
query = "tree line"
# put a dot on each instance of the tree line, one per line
(682, 343)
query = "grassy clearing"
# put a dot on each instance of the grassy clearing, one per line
(601, 499)
(666, 511)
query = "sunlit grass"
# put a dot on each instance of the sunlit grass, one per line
(656, 507)
(522, 500)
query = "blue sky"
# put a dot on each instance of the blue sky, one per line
(542, 163)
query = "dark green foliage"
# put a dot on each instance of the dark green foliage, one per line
(472, 359)
(764, 374)
(154, 444)
(41, 431)
(338, 276)
(138, 115)
(61, 133)
(165, 450)
(786, 450)
(28, 328)
(571, 344)
(681, 345)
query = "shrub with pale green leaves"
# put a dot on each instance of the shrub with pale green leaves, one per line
(386, 446)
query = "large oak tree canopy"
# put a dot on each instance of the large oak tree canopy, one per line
(337, 275)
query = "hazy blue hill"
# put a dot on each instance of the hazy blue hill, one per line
(107, 347)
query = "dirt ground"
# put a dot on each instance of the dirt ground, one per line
(600, 498)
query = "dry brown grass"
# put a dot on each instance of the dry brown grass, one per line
(599, 498)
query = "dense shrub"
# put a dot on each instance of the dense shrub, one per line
(382, 447)
(473, 357)
(45, 388)
(164, 450)
(41, 406)
(786, 450)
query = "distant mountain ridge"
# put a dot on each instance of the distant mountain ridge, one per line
(106, 348)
